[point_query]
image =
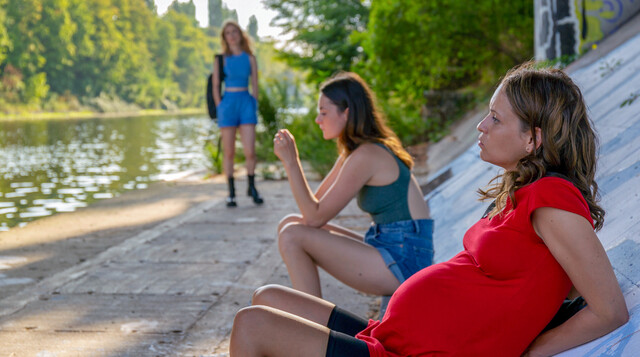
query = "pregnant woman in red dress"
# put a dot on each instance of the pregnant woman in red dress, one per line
(532, 249)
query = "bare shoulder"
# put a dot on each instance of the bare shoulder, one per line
(373, 156)
(368, 151)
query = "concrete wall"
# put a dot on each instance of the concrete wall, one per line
(572, 27)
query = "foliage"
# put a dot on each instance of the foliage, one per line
(406, 48)
(214, 154)
(229, 14)
(252, 27)
(215, 13)
(4, 36)
(415, 47)
(187, 8)
(87, 48)
(446, 44)
(151, 4)
(321, 34)
(280, 95)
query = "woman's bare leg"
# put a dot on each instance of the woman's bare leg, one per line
(228, 149)
(297, 218)
(264, 331)
(295, 302)
(353, 262)
(248, 138)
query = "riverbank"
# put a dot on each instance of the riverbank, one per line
(97, 115)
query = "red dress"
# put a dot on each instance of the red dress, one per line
(493, 298)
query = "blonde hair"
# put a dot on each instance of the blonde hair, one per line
(365, 123)
(245, 42)
(548, 99)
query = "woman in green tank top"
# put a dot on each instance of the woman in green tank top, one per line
(372, 166)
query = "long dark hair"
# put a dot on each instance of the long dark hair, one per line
(365, 122)
(548, 99)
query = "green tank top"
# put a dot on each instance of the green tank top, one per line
(388, 203)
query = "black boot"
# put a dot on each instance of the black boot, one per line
(231, 200)
(251, 191)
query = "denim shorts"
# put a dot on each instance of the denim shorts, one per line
(237, 108)
(405, 246)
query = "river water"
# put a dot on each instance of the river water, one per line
(53, 166)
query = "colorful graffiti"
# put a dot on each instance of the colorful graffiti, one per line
(572, 27)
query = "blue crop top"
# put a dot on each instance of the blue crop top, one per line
(237, 69)
(389, 203)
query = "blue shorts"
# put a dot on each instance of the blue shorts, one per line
(405, 246)
(237, 108)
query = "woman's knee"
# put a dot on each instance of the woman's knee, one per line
(290, 218)
(289, 238)
(228, 154)
(250, 155)
(246, 321)
(267, 295)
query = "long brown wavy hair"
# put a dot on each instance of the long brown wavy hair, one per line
(365, 122)
(548, 99)
(245, 43)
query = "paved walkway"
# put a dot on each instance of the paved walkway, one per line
(170, 290)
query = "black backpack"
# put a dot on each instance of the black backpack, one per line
(211, 104)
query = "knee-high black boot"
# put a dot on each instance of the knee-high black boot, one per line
(251, 191)
(231, 200)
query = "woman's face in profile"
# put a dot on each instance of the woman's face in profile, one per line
(502, 141)
(330, 120)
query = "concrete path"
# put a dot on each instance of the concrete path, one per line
(170, 290)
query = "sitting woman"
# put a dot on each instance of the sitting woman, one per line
(535, 247)
(372, 165)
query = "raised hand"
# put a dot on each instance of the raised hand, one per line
(284, 146)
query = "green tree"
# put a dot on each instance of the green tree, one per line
(425, 52)
(56, 31)
(448, 44)
(229, 14)
(323, 40)
(252, 27)
(192, 60)
(215, 13)
(27, 53)
(5, 43)
(151, 4)
(187, 8)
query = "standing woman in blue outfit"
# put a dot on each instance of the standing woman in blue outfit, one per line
(237, 109)
(372, 166)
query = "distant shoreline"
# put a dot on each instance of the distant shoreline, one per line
(95, 115)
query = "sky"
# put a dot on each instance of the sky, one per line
(244, 8)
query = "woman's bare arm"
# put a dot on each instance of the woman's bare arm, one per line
(574, 244)
(354, 173)
(254, 76)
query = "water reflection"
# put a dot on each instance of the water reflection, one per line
(52, 166)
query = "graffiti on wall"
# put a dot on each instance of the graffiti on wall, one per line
(571, 27)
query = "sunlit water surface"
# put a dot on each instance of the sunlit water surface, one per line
(52, 166)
